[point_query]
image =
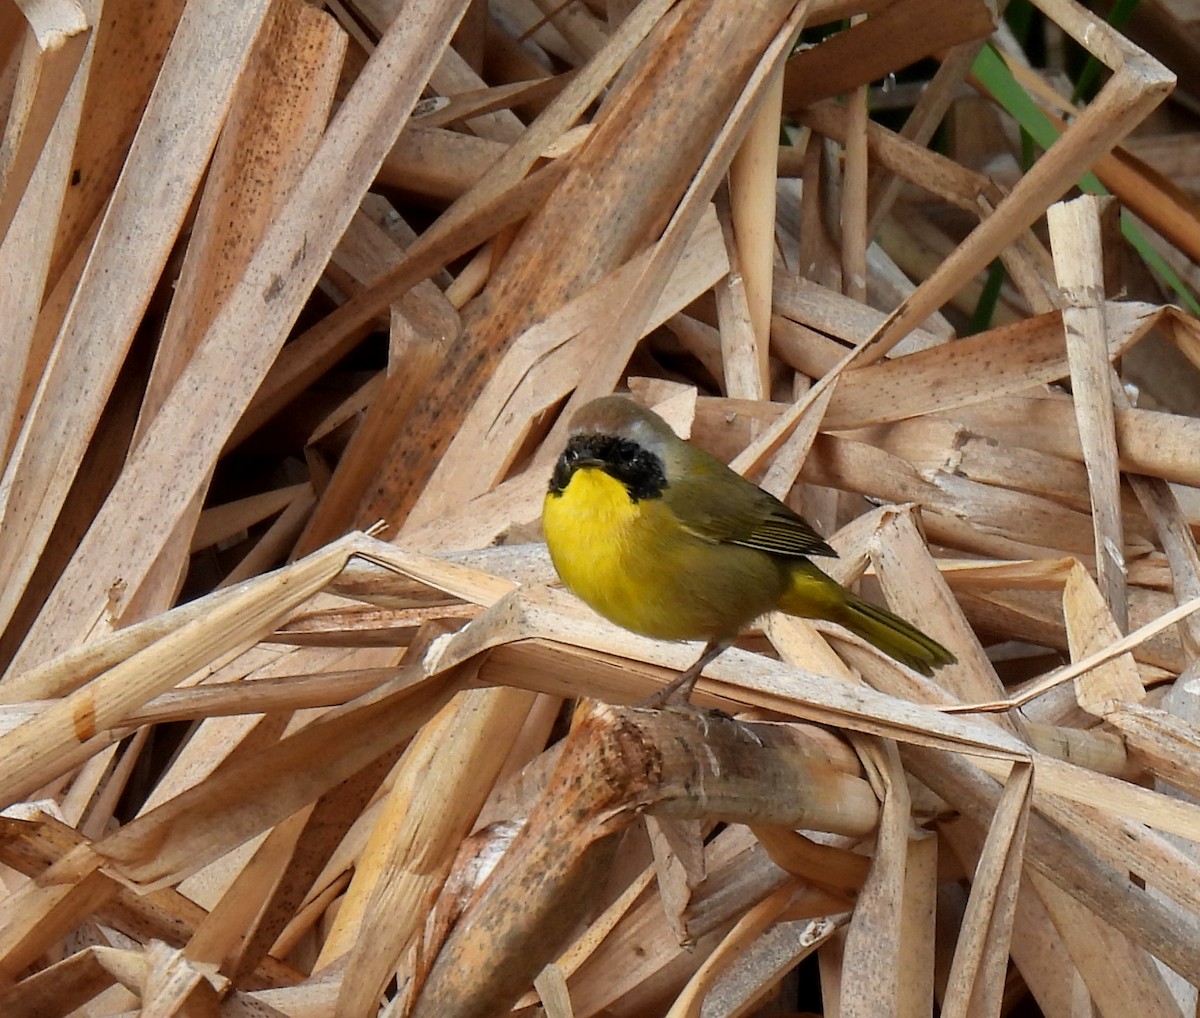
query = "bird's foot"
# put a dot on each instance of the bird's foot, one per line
(678, 692)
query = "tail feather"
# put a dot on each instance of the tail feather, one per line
(892, 635)
(812, 594)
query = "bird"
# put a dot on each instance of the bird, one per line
(665, 540)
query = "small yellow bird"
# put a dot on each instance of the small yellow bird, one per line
(665, 540)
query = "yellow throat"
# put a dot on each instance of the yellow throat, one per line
(589, 528)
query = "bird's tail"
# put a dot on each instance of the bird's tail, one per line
(815, 595)
(892, 635)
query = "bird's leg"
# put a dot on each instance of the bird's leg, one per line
(679, 691)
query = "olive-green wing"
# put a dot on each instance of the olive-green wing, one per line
(718, 505)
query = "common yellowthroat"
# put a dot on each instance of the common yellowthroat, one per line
(665, 540)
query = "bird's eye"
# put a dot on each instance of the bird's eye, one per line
(625, 453)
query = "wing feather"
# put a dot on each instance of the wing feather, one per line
(716, 504)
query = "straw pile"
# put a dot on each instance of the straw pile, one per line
(274, 272)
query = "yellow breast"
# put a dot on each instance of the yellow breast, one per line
(590, 528)
(633, 563)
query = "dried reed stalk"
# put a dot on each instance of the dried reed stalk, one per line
(275, 271)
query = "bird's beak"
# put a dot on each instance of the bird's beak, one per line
(577, 456)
